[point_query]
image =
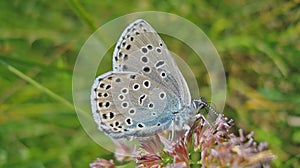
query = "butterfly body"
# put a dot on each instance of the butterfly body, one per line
(145, 92)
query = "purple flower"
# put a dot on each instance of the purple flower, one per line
(148, 160)
(219, 147)
(122, 152)
(152, 145)
(216, 145)
(102, 163)
(177, 151)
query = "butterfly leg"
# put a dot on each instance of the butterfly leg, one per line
(173, 131)
(187, 128)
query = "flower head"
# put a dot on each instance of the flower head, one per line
(102, 163)
(214, 143)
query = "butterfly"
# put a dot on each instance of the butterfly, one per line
(145, 93)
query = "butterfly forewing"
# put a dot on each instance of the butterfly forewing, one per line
(140, 49)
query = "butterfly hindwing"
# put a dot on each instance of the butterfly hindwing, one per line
(131, 104)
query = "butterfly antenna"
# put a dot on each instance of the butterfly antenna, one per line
(212, 106)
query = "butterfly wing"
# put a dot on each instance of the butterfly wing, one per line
(144, 90)
(131, 104)
(140, 49)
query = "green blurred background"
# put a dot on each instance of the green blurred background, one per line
(258, 42)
